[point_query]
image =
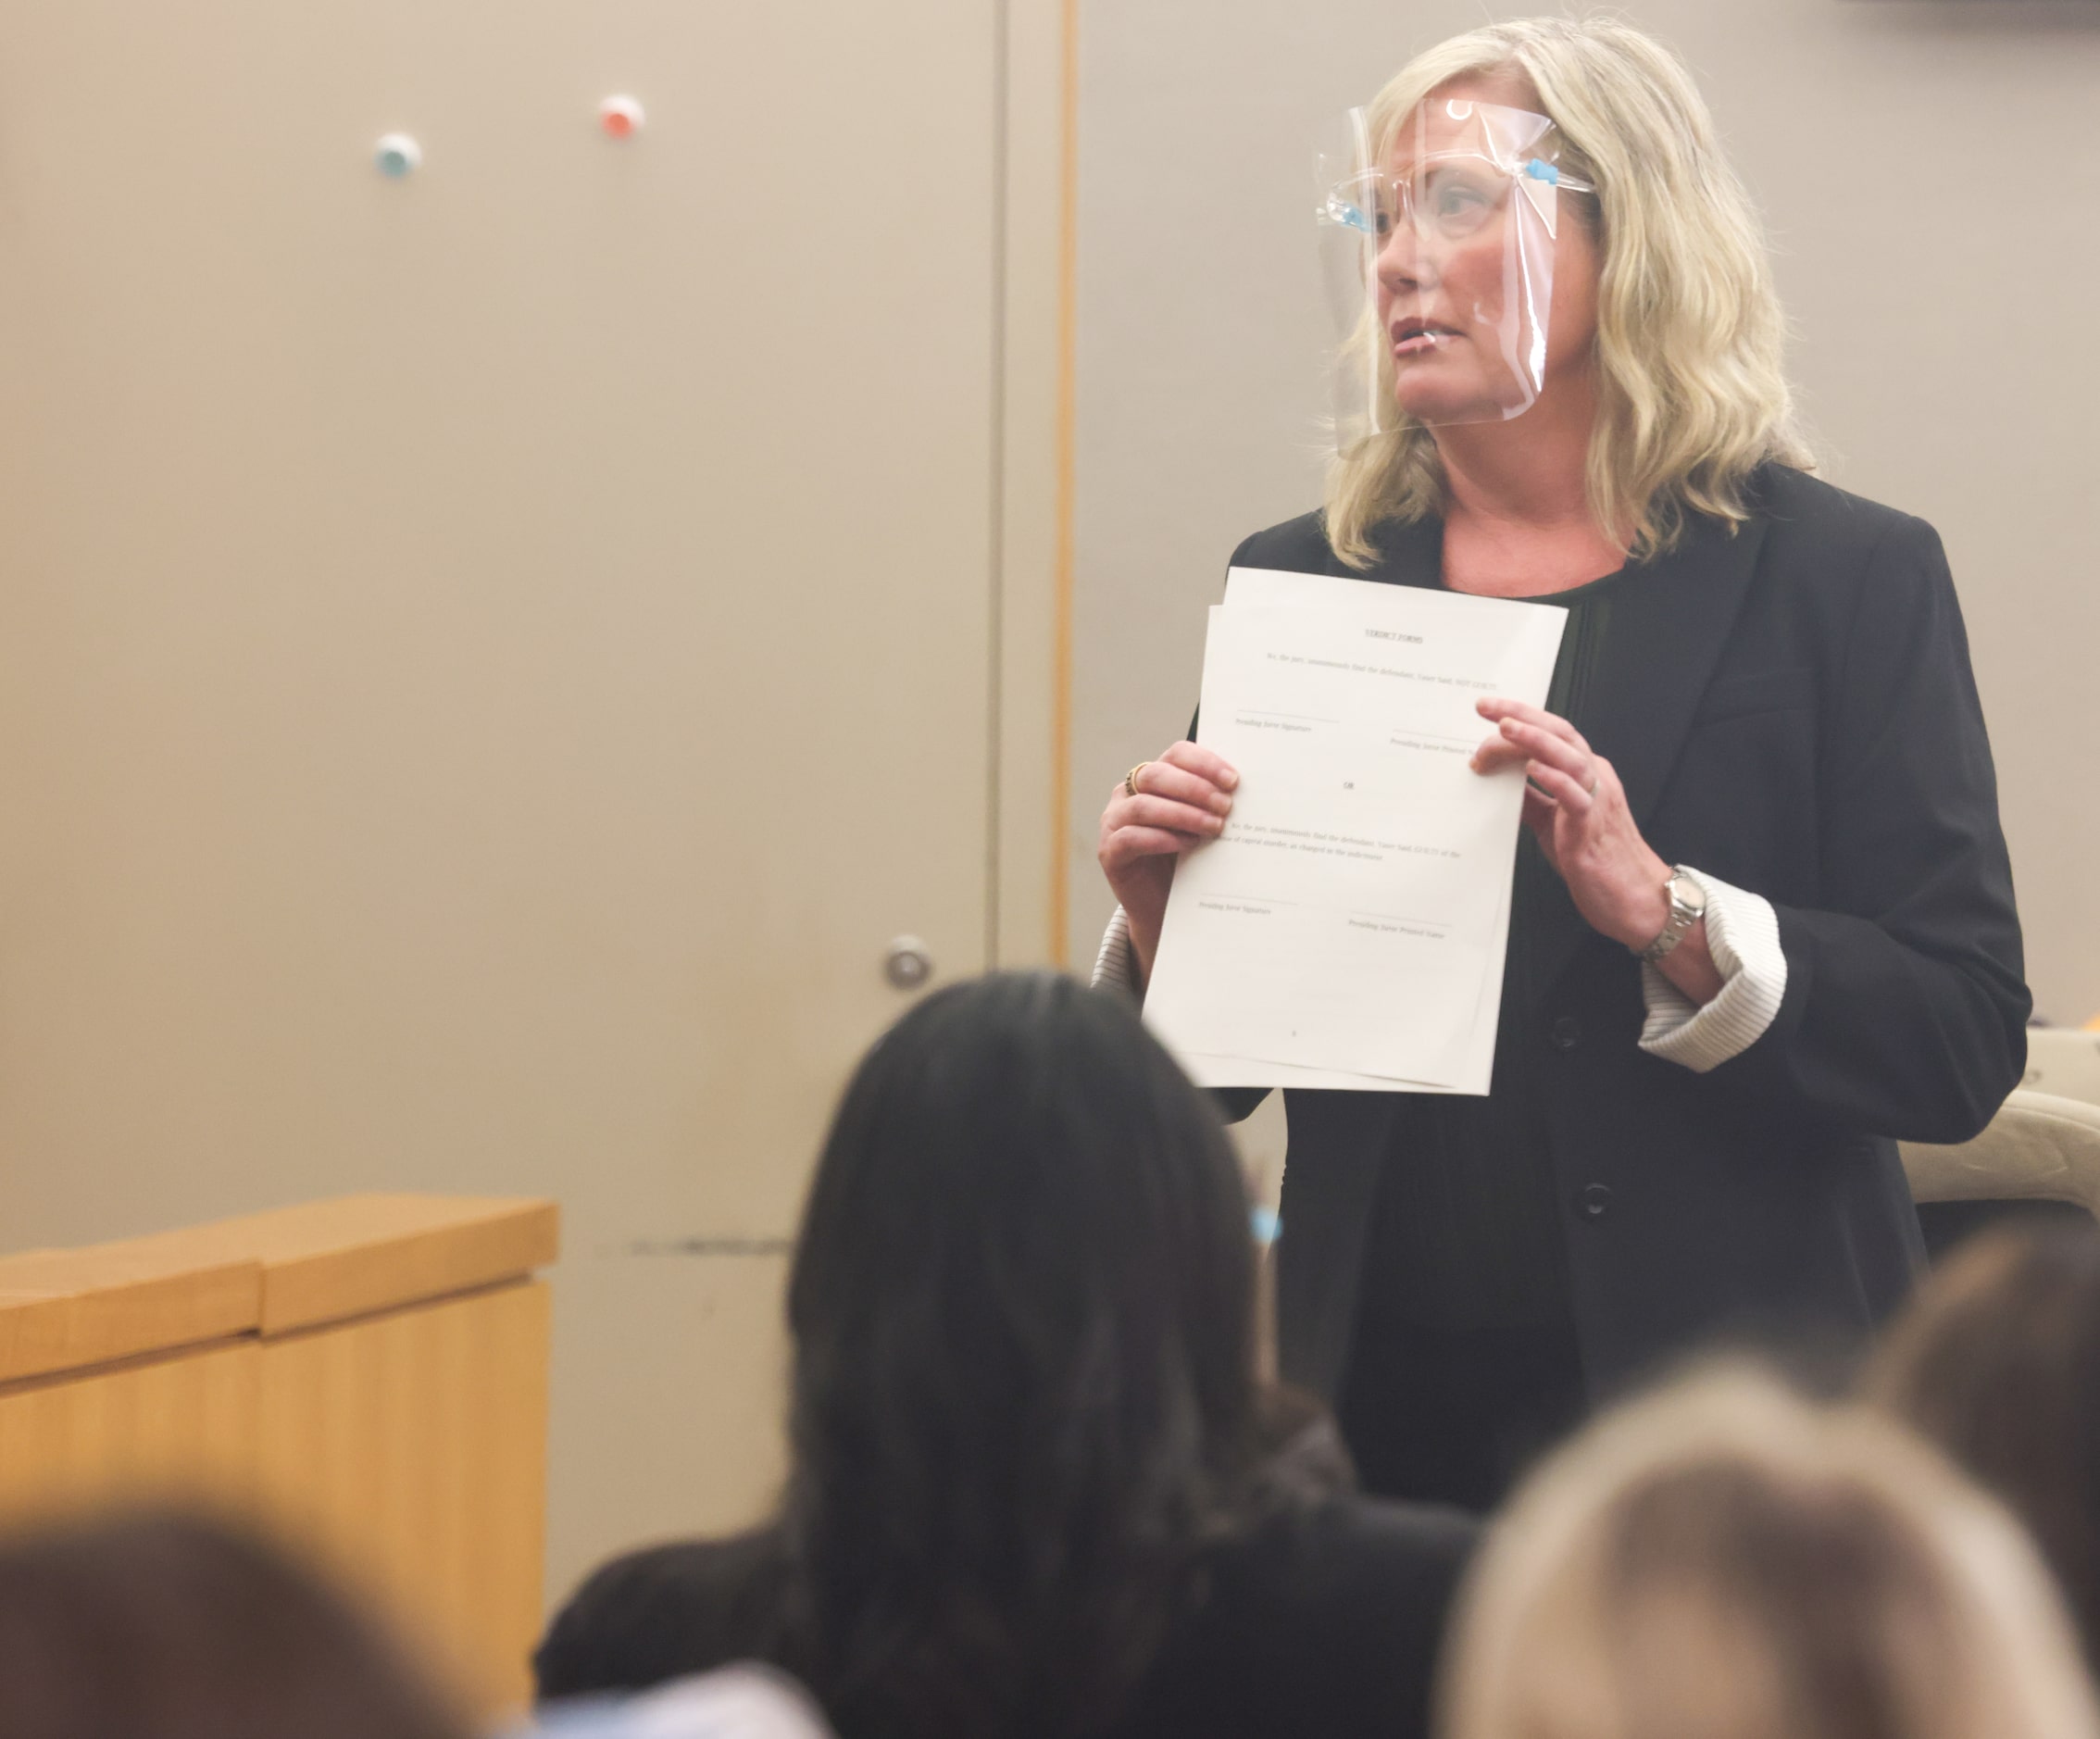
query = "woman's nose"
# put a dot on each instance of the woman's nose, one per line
(1403, 263)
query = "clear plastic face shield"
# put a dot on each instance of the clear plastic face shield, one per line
(1437, 247)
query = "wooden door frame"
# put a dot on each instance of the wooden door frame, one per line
(1033, 482)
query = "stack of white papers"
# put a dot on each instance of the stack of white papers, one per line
(1349, 927)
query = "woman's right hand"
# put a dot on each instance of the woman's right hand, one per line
(1182, 799)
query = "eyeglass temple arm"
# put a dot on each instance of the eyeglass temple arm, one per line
(1540, 170)
(1348, 213)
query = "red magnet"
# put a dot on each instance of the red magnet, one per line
(620, 117)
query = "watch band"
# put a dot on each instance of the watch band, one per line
(1687, 898)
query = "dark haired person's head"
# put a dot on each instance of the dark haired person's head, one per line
(150, 1626)
(1024, 1390)
(1998, 1362)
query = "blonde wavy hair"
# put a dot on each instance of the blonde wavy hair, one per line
(1727, 1561)
(1691, 394)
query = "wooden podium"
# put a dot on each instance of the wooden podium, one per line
(367, 1378)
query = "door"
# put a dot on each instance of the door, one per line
(490, 658)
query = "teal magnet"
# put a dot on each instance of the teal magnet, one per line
(397, 154)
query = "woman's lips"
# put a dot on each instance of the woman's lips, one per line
(1416, 340)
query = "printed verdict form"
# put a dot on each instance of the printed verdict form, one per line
(1348, 926)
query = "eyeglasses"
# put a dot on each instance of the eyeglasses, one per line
(1445, 201)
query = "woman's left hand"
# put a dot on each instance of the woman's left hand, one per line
(1576, 808)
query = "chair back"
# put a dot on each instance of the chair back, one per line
(2040, 1148)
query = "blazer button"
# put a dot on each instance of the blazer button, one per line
(1593, 1201)
(1565, 1034)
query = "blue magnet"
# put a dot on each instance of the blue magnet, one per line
(1542, 172)
(397, 154)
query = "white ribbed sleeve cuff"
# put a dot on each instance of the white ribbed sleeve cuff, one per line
(1116, 967)
(1742, 936)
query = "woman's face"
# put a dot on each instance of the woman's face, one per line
(1458, 354)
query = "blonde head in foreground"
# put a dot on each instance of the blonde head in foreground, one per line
(1726, 1562)
(1691, 394)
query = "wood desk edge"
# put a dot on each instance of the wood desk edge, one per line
(270, 1272)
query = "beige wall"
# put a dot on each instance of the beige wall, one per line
(400, 783)
(1928, 175)
(488, 662)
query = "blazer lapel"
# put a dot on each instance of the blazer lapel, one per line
(1652, 670)
(1651, 678)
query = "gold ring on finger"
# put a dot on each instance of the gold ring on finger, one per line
(1130, 779)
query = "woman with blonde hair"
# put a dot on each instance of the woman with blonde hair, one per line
(1729, 1562)
(1763, 919)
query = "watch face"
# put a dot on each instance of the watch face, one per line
(1688, 895)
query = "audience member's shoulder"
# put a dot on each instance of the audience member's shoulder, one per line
(1367, 1547)
(1321, 1532)
(1327, 1617)
(664, 1612)
(1352, 1590)
(1297, 545)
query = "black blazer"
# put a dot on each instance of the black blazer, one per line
(1325, 1619)
(1797, 717)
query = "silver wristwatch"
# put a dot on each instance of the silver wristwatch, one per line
(1687, 907)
